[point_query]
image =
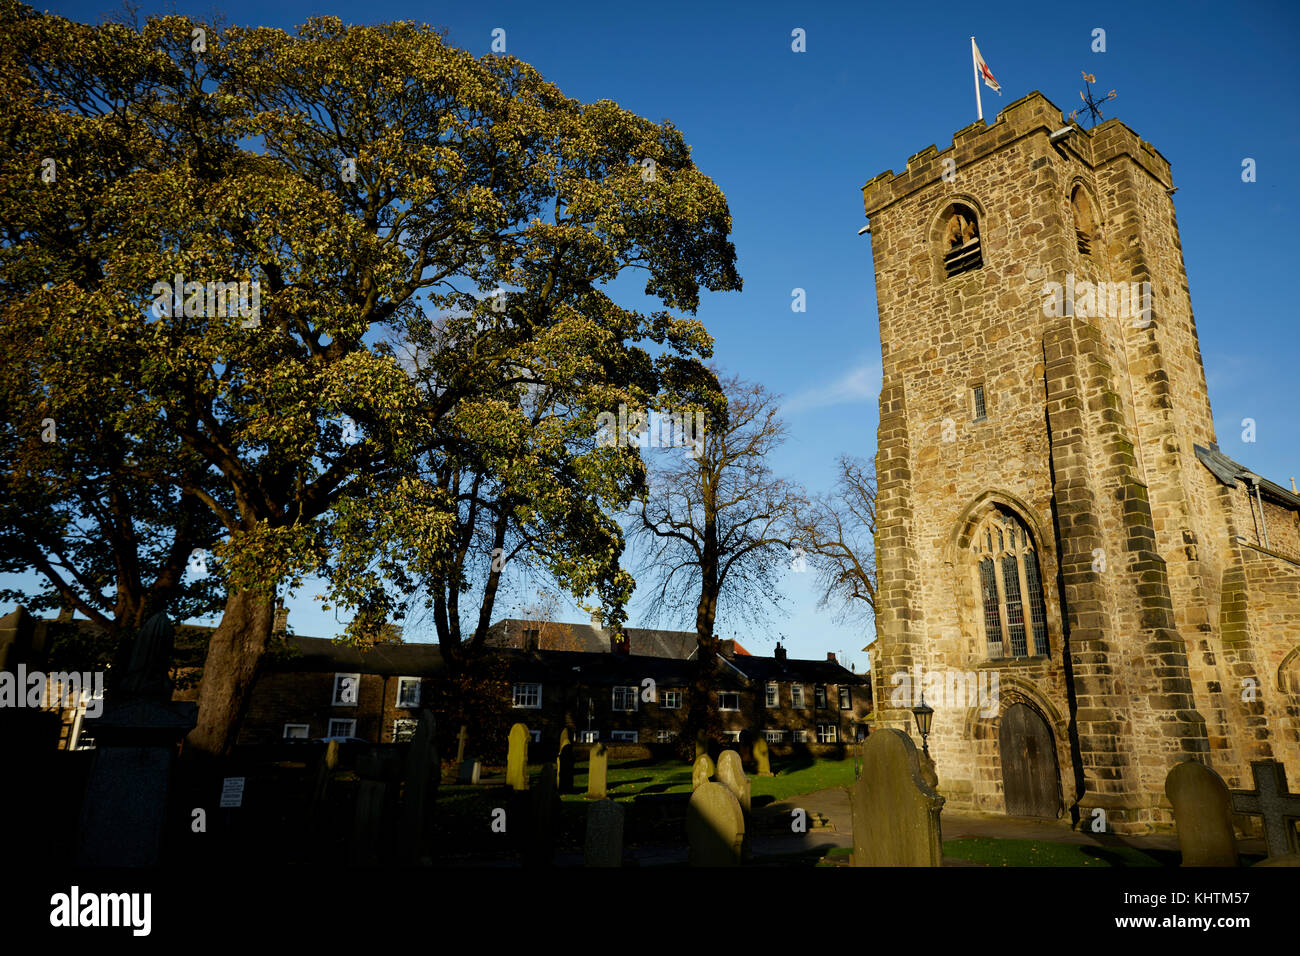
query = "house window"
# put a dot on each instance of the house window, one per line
(531, 638)
(404, 730)
(800, 736)
(528, 695)
(827, 733)
(774, 736)
(672, 700)
(728, 700)
(588, 736)
(820, 694)
(346, 689)
(961, 240)
(341, 728)
(408, 692)
(846, 698)
(623, 736)
(977, 400)
(732, 735)
(773, 695)
(1010, 586)
(625, 698)
(796, 696)
(535, 736)
(666, 736)
(296, 731)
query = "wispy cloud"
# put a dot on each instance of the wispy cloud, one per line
(859, 385)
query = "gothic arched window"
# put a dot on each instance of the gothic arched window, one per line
(1010, 586)
(1085, 220)
(961, 240)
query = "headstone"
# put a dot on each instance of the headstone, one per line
(564, 763)
(762, 759)
(1202, 815)
(419, 791)
(701, 744)
(462, 736)
(517, 758)
(1272, 800)
(604, 843)
(125, 807)
(895, 812)
(471, 771)
(732, 776)
(379, 774)
(715, 827)
(597, 772)
(702, 772)
(545, 814)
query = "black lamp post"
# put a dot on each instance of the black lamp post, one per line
(924, 714)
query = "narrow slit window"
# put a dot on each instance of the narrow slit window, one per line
(980, 409)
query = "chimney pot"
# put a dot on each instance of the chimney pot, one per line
(830, 656)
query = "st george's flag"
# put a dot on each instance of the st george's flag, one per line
(982, 69)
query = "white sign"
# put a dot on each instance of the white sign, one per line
(232, 792)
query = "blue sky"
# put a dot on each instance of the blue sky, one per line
(791, 137)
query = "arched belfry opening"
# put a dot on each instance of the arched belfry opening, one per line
(961, 240)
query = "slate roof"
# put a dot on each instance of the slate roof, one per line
(1228, 471)
(643, 642)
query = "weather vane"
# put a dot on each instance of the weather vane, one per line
(1092, 104)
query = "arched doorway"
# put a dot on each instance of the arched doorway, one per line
(1030, 780)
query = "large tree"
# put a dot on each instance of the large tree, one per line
(378, 186)
(716, 527)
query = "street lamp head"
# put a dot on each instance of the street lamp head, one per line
(924, 715)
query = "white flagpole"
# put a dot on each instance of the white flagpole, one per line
(974, 63)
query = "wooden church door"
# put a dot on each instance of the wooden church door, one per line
(1030, 782)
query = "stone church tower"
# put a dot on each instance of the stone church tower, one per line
(1058, 537)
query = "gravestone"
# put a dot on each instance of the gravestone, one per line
(702, 772)
(731, 774)
(462, 736)
(1202, 815)
(604, 842)
(124, 811)
(545, 811)
(419, 792)
(895, 812)
(762, 758)
(564, 763)
(376, 807)
(1275, 803)
(597, 772)
(517, 758)
(471, 771)
(715, 827)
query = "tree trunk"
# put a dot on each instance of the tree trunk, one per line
(234, 653)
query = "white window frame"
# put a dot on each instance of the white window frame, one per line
(306, 728)
(337, 699)
(820, 697)
(672, 700)
(773, 694)
(800, 736)
(632, 693)
(514, 696)
(828, 734)
(733, 736)
(845, 693)
(535, 736)
(588, 736)
(666, 736)
(773, 736)
(403, 682)
(623, 736)
(404, 720)
(797, 699)
(350, 721)
(729, 693)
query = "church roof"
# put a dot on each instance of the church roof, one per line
(1228, 471)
